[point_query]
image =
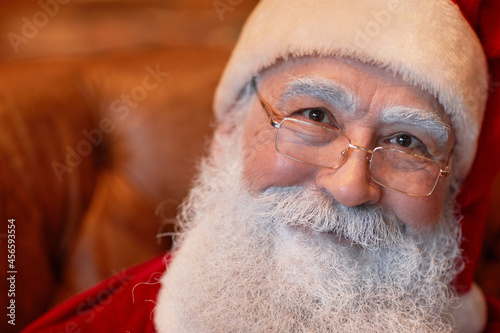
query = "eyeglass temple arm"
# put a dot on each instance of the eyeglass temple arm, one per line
(270, 112)
(446, 172)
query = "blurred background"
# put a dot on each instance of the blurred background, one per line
(67, 27)
(105, 109)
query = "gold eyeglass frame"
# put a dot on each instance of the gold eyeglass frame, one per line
(275, 120)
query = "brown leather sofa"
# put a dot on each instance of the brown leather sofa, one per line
(96, 154)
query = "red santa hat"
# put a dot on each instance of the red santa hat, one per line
(432, 44)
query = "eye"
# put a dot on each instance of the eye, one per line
(407, 141)
(317, 115)
(404, 140)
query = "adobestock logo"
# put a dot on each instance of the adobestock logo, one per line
(222, 6)
(485, 84)
(120, 107)
(380, 19)
(39, 20)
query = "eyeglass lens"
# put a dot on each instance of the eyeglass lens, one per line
(326, 147)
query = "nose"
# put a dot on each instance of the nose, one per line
(350, 184)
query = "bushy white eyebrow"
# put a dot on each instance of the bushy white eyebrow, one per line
(423, 118)
(344, 100)
(328, 90)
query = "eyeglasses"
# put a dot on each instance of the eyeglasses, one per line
(327, 147)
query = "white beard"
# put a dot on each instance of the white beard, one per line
(265, 264)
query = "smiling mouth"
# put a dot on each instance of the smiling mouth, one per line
(331, 236)
(336, 238)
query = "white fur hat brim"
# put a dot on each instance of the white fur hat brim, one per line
(428, 42)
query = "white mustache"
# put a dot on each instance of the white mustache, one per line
(367, 226)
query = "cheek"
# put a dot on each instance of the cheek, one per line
(273, 169)
(264, 166)
(419, 214)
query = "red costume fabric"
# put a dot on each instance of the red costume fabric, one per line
(474, 198)
(126, 303)
(123, 303)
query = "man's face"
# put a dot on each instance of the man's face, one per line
(373, 108)
(259, 251)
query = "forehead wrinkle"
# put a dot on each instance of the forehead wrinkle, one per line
(422, 118)
(322, 88)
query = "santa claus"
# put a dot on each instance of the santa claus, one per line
(343, 177)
